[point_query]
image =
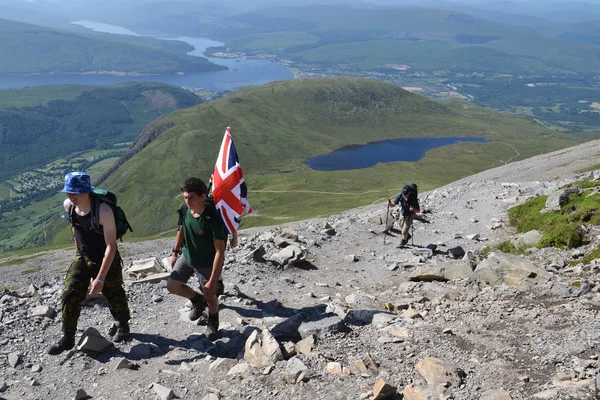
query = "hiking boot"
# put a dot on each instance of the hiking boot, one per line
(212, 327)
(67, 342)
(402, 244)
(122, 332)
(198, 306)
(220, 288)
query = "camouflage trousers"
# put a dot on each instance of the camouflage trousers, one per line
(405, 222)
(77, 281)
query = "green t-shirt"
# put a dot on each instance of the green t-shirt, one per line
(199, 235)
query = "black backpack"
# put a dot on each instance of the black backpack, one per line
(410, 188)
(104, 196)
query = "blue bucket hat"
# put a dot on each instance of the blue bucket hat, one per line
(77, 183)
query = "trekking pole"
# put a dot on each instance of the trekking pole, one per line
(412, 235)
(387, 214)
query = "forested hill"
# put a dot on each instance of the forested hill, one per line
(33, 49)
(97, 118)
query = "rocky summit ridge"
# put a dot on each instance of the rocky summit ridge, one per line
(331, 309)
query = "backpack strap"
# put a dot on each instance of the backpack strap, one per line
(183, 208)
(70, 212)
(95, 217)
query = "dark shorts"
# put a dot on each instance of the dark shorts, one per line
(182, 271)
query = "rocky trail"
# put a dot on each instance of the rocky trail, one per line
(323, 309)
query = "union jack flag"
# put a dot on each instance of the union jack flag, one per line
(229, 189)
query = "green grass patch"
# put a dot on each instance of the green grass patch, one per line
(595, 254)
(508, 247)
(31, 271)
(591, 168)
(18, 261)
(560, 228)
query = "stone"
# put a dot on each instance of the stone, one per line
(211, 396)
(295, 370)
(366, 317)
(220, 365)
(383, 390)
(366, 364)
(163, 393)
(528, 239)
(140, 351)
(36, 368)
(81, 395)
(509, 269)
(288, 256)
(43, 311)
(437, 371)
(3, 386)
(411, 313)
(329, 323)
(458, 270)
(239, 369)
(154, 278)
(414, 392)
(124, 363)
(287, 330)
(475, 236)
(306, 345)
(334, 368)
(262, 350)
(259, 253)
(357, 300)
(157, 298)
(546, 394)
(14, 358)
(145, 267)
(429, 274)
(496, 395)
(92, 340)
(289, 350)
(456, 252)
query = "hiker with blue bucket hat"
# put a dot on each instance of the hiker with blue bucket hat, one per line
(97, 259)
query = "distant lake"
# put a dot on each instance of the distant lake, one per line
(393, 150)
(241, 72)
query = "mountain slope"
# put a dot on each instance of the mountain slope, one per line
(426, 39)
(27, 49)
(97, 118)
(277, 127)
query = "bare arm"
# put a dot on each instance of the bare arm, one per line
(67, 205)
(234, 240)
(107, 220)
(211, 285)
(178, 245)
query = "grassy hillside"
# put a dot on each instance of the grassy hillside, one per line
(36, 131)
(424, 39)
(278, 126)
(29, 49)
(33, 96)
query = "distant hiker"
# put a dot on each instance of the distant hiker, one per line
(97, 258)
(201, 240)
(409, 207)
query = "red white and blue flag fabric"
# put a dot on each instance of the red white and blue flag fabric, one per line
(229, 189)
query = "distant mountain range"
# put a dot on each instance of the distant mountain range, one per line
(32, 49)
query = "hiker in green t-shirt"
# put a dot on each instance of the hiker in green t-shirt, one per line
(201, 235)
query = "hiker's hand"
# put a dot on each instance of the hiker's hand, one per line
(233, 242)
(173, 259)
(96, 287)
(210, 288)
(390, 203)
